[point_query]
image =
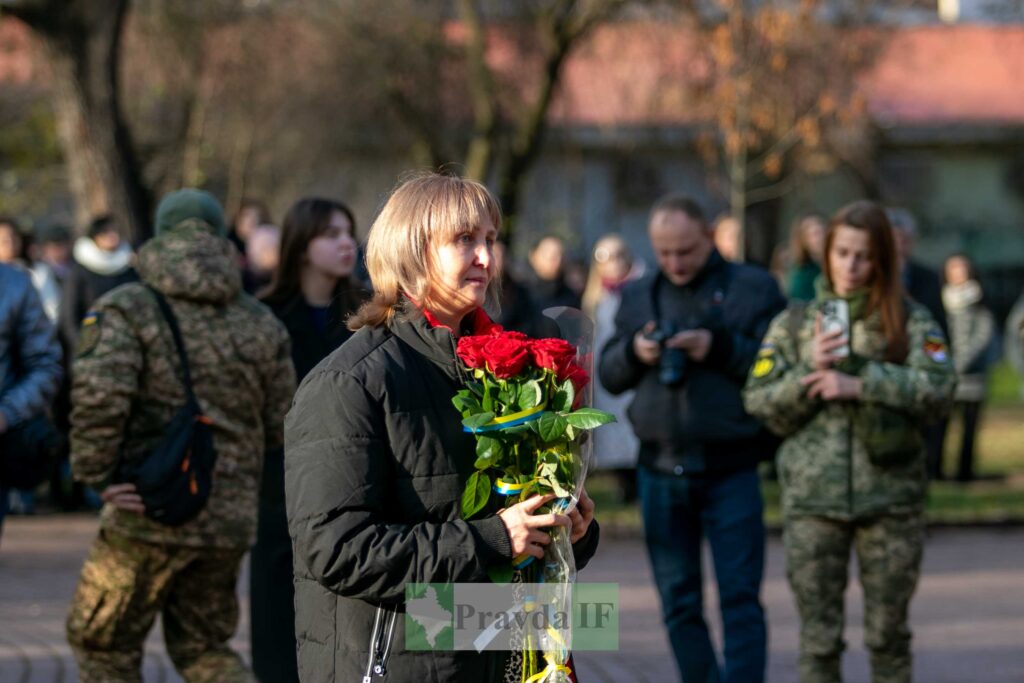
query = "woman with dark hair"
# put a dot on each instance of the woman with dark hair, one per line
(313, 292)
(847, 380)
(806, 246)
(377, 459)
(972, 330)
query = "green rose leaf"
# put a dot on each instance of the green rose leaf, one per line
(557, 487)
(551, 426)
(564, 397)
(488, 448)
(477, 388)
(476, 493)
(515, 431)
(477, 421)
(589, 418)
(466, 403)
(530, 395)
(548, 469)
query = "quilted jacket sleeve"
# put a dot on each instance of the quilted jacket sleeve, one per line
(336, 472)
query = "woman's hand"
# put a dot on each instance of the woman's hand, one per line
(581, 517)
(832, 385)
(524, 527)
(823, 344)
(123, 497)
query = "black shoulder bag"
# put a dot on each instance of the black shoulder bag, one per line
(174, 479)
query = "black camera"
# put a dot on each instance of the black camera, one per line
(672, 365)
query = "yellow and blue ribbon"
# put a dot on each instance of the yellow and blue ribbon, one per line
(507, 421)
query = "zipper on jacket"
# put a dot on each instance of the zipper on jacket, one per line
(459, 367)
(380, 644)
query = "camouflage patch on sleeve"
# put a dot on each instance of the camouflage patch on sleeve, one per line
(89, 335)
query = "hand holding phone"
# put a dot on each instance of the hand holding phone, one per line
(831, 334)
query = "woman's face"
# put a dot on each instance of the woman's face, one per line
(814, 237)
(849, 260)
(461, 271)
(957, 271)
(548, 258)
(10, 244)
(333, 252)
(611, 260)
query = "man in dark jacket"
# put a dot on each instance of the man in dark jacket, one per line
(924, 286)
(685, 338)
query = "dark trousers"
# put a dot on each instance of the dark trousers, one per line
(271, 590)
(934, 441)
(971, 411)
(678, 513)
(4, 493)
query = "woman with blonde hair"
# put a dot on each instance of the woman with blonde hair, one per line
(807, 243)
(848, 380)
(376, 458)
(616, 447)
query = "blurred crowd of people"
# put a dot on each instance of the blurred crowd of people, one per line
(676, 339)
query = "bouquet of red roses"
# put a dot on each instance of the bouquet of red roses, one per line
(524, 404)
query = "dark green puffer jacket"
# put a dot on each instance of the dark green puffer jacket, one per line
(375, 464)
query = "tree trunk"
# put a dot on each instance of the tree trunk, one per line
(529, 138)
(83, 40)
(90, 194)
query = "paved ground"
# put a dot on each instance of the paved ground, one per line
(968, 617)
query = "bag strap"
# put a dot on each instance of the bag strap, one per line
(179, 344)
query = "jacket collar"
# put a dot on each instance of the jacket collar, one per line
(428, 337)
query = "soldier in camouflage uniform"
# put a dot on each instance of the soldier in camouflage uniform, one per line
(127, 387)
(852, 467)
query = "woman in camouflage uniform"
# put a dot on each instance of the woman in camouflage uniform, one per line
(852, 465)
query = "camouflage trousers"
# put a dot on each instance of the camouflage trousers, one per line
(125, 583)
(889, 550)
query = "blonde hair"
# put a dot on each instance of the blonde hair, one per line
(421, 213)
(594, 290)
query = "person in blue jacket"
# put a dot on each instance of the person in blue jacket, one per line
(30, 357)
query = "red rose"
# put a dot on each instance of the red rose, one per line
(552, 354)
(471, 350)
(506, 354)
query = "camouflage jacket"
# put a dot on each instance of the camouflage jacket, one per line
(127, 386)
(851, 459)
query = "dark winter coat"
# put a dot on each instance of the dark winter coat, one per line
(375, 464)
(93, 273)
(699, 425)
(272, 605)
(925, 287)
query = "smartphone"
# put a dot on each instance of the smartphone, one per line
(835, 315)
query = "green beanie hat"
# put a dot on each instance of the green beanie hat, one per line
(182, 205)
